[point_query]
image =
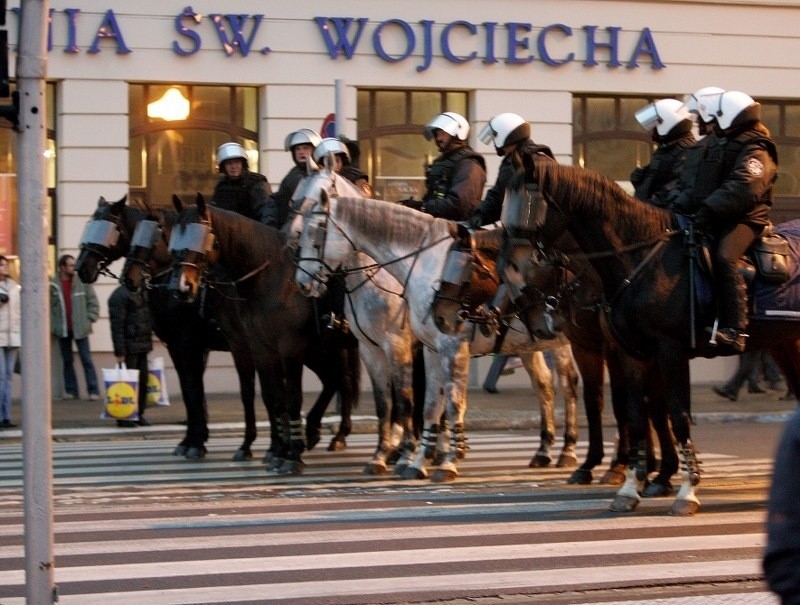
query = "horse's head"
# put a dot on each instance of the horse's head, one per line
(468, 281)
(105, 238)
(149, 254)
(192, 246)
(322, 246)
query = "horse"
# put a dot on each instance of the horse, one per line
(148, 266)
(648, 282)
(377, 316)
(565, 284)
(224, 249)
(468, 284)
(412, 246)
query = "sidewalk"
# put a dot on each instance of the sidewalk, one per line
(512, 408)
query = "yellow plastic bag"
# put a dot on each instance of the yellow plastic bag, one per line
(121, 393)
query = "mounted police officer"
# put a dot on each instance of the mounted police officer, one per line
(455, 179)
(300, 144)
(239, 189)
(670, 125)
(731, 197)
(511, 135)
(342, 164)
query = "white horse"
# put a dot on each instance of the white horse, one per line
(412, 247)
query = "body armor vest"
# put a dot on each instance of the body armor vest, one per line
(439, 175)
(660, 172)
(234, 195)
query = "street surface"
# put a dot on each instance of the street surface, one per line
(135, 525)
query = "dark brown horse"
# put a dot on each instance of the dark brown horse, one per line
(252, 266)
(640, 255)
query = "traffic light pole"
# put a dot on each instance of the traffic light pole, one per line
(31, 70)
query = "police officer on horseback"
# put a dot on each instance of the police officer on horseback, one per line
(454, 180)
(300, 144)
(340, 152)
(511, 136)
(731, 197)
(239, 189)
(670, 125)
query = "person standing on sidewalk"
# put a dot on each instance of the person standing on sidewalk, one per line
(132, 338)
(73, 310)
(10, 339)
(748, 370)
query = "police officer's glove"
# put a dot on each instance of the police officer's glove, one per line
(703, 219)
(411, 203)
(476, 221)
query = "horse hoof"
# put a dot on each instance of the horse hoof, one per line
(567, 460)
(312, 439)
(614, 476)
(242, 454)
(656, 489)
(291, 467)
(195, 453)
(580, 477)
(684, 508)
(623, 504)
(180, 450)
(275, 464)
(414, 473)
(443, 476)
(540, 461)
(375, 469)
(399, 469)
(337, 444)
(439, 458)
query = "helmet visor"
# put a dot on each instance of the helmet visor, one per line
(487, 135)
(648, 117)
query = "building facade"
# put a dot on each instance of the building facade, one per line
(254, 71)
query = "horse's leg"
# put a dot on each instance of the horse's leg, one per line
(349, 379)
(378, 370)
(661, 485)
(292, 419)
(542, 379)
(456, 404)
(629, 494)
(190, 364)
(245, 369)
(317, 411)
(431, 414)
(592, 367)
(617, 470)
(568, 377)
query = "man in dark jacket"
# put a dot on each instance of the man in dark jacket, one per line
(301, 144)
(131, 337)
(239, 189)
(454, 181)
(511, 135)
(670, 125)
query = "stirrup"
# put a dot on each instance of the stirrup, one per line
(733, 338)
(338, 323)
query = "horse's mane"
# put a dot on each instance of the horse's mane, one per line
(596, 195)
(389, 221)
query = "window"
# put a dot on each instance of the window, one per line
(9, 217)
(179, 156)
(393, 151)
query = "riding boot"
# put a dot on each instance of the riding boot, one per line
(733, 307)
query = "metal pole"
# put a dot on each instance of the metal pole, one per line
(36, 396)
(338, 107)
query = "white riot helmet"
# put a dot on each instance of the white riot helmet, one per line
(304, 136)
(330, 145)
(697, 103)
(505, 129)
(665, 115)
(736, 109)
(230, 151)
(452, 123)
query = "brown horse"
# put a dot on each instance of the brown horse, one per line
(252, 265)
(640, 255)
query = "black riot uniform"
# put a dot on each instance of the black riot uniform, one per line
(454, 183)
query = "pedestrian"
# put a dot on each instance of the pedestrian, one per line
(670, 125)
(300, 144)
(131, 337)
(454, 181)
(731, 198)
(747, 370)
(239, 189)
(10, 339)
(782, 554)
(73, 310)
(501, 366)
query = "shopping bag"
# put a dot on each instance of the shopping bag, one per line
(157, 394)
(121, 393)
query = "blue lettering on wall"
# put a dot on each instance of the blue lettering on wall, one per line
(335, 31)
(236, 23)
(109, 30)
(187, 15)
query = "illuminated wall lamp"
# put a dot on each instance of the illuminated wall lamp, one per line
(170, 107)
